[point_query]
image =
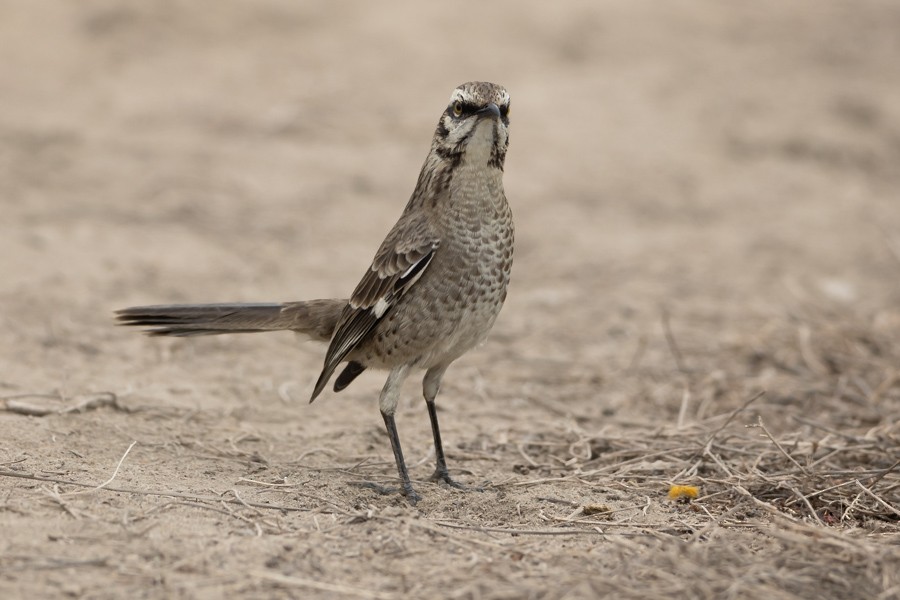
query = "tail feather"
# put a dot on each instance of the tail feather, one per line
(203, 319)
(315, 318)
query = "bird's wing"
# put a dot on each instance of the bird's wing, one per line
(399, 263)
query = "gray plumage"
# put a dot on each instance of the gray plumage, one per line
(434, 288)
(314, 318)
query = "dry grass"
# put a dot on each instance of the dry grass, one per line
(704, 302)
(788, 504)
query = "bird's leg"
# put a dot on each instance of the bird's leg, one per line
(388, 404)
(430, 387)
(440, 471)
(406, 487)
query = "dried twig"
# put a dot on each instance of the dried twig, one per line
(549, 532)
(734, 413)
(872, 494)
(163, 493)
(769, 435)
(322, 586)
(16, 404)
(111, 478)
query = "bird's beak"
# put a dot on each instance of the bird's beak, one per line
(490, 110)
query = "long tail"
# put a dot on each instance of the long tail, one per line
(315, 318)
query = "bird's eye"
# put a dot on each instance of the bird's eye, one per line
(457, 109)
(504, 111)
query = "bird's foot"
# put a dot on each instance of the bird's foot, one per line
(443, 476)
(406, 491)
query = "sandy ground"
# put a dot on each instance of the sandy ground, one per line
(707, 202)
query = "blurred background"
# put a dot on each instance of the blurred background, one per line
(716, 167)
(707, 204)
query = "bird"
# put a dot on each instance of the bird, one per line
(432, 292)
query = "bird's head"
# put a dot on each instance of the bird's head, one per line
(475, 127)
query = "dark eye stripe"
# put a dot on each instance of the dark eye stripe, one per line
(442, 130)
(467, 108)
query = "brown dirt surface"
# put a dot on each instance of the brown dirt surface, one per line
(706, 293)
